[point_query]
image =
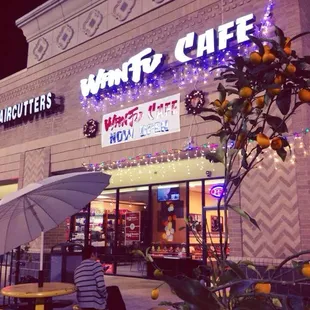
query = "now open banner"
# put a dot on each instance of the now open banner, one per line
(146, 120)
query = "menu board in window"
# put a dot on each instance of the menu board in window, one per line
(132, 227)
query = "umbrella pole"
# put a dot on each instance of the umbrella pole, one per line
(41, 271)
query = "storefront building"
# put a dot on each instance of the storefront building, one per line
(79, 53)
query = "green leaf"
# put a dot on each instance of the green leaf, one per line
(244, 162)
(237, 105)
(267, 99)
(236, 269)
(285, 142)
(236, 181)
(284, 100)
(270, 267)
(227, 276)
(239, 61)
(241, 288)
(297, 264)
(258, 42)
(211, 118)
(277, 303)
(244, 214)
(192, 292)
(245, 262)
(232, 91)
(276, 123)
(280, 34)
(223, 136)
(282, 153)
(252, 267)
(271, 86)
(222, 92)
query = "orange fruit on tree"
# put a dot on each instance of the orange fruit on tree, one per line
(268, 58)
(305, 270)
(287, 42)
(276, 143)
(242, 135)
(260, 102)
(228, 116)
(262, 140)
(225, 103)
(155, 293)
(287, 51)
(262, 288)
(217, 103)
(158, 273)
(220, 111)
(274, 91)
(247, 107)
(290, 69)
(279, 79)
(267, 48)
(239, 144)
(246, 92)
(255, 58)
(304, 95)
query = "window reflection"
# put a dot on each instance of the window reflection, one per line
(168, 216)
(102, 219)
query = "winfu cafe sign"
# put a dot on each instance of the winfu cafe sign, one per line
(148, 62)
(27, 110)
(150, 119)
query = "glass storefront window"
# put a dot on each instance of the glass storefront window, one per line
(133, 230)
(214, 225)
(128, 219)
(169, 211)
(78, 227)
(102, 219)
(195, 214)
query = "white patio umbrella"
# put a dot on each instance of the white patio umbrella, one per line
(37, 208)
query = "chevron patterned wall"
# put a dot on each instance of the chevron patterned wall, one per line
(269, 194)
(34, 165)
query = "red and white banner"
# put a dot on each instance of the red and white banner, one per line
(132, 227)
(146, 120)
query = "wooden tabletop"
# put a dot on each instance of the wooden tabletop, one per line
(31, 290)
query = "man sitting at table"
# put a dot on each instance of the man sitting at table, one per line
(89, 280)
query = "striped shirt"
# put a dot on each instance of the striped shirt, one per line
(91, 289)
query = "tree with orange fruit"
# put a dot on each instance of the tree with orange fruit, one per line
(257, 96)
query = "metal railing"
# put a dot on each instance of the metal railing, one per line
(9, 272)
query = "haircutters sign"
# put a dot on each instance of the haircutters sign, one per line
(147, 61)
(151, 119)
(27, 109)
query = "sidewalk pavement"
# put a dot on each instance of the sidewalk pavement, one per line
(136, 292)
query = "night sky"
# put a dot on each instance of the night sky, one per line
(13, 44)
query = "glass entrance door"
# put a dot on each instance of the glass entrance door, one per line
(133, 231)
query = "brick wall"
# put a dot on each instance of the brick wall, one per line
(61, 134)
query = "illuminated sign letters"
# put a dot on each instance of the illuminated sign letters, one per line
(216, 191)
(207, 43)
(148, 62)
(144, 62)
(27, 108)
